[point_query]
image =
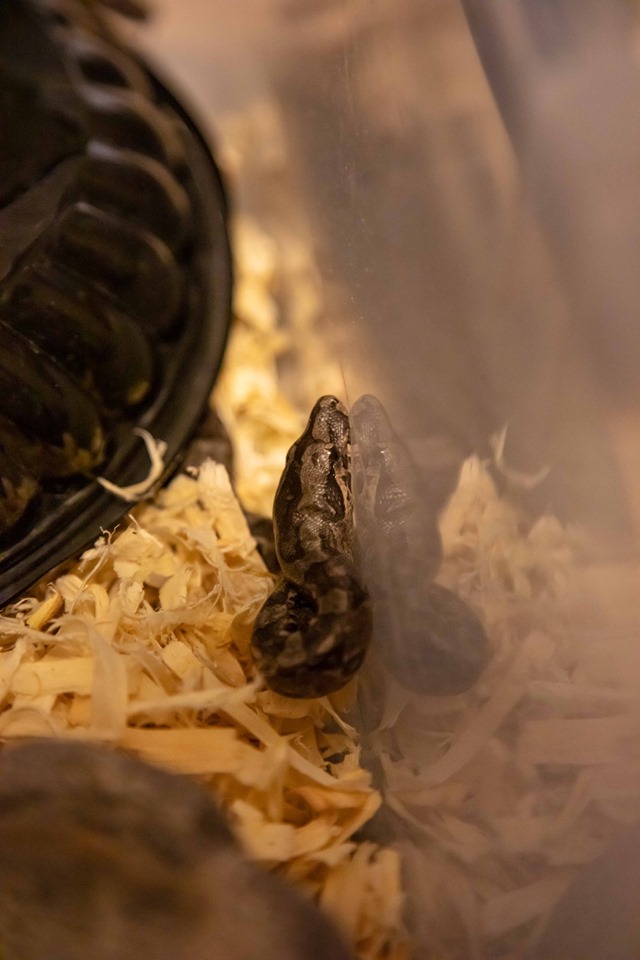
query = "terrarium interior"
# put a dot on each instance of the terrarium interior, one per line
(435, 214)
(466, 178)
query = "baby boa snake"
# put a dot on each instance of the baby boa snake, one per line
(313, 632)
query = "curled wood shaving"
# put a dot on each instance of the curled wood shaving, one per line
(146, 645)
(508, 790)
(50, 607)
(502, 793)
(136, 491)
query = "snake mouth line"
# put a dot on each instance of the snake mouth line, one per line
(115, 279)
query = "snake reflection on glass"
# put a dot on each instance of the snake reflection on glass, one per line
(428, 637)
(312, 634)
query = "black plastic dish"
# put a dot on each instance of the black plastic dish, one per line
(64, 521)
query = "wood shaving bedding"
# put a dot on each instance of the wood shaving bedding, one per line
(262, 422)
(508, 790)
(501, 794)
(145, 644)
(505, 791)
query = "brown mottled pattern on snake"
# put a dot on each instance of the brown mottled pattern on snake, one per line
(312, 634)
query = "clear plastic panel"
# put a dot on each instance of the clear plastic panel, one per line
(467, 176)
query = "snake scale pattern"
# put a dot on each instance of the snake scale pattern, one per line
(312, 634)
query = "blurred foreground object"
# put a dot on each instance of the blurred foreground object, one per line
(103, 857)
(145, 644)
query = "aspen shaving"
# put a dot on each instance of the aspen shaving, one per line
(500, 795)
(135, 491)
(507, 791)
(145, 644)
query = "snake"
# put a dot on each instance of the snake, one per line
(312, 633)
(430, 639)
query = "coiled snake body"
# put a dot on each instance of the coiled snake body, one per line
(312, 634)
